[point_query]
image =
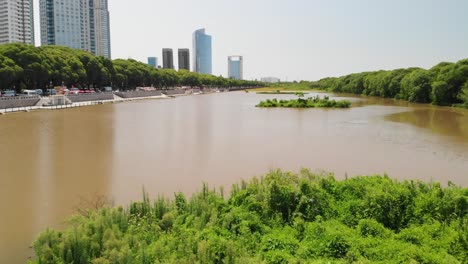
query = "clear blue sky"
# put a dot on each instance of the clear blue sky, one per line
(296, 39)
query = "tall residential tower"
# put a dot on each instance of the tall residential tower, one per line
(76, 24)
(16, 21)
(201, 52)
(168, 59)
(184, 59)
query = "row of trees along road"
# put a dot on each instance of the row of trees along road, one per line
(444, 84)
(28, 67)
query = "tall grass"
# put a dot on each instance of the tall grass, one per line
(281, 217)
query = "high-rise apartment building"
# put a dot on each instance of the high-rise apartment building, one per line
(16, 21)
(184, 59)
(100, 28)
(76, 24)
(153, 61)
(168, 59)
(235, 67)
(202, 52)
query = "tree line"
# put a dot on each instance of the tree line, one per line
(444, 84)
(281, 217)
(27, 67)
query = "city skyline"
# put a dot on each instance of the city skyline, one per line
(299, 39)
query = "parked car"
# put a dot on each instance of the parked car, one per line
(9, 93)
(30, 92)
(39, 92)
(50, 92)
(107, 89)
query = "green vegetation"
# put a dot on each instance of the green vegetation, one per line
(287, 86)
(276, 92)
(310, 102)
(444, 84)
(278, 218)
(28, 67)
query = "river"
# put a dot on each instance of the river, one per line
(52, 161)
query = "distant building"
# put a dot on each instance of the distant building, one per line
(76, 24)
(184, 59)
(202, 62)
(235, 67)
(270, 80)
(16, 21)
(153, 61)
(168, 59)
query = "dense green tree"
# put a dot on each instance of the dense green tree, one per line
(9, 72)
(416, 87)
(441, 85)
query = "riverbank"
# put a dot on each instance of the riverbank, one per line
(116, 99)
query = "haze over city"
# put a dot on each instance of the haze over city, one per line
(297, 39)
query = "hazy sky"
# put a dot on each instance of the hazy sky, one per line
(295, 39)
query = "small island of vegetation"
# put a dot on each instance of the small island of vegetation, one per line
(311, 102)
(279, 218)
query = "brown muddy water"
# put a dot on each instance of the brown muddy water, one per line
(52, 160)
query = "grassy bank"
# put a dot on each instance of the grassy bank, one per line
(310, 102)
(278, 218)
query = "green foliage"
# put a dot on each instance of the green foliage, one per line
(279, 218)
(28, 67)
(443, 84)
(310, 102)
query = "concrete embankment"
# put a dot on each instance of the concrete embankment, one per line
(78, 98)
(27, 103)
(18, 101)
(138, 94)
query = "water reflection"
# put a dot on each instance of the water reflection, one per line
(445, 122)
(48, 161)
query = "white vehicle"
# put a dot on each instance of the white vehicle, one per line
(30, 92)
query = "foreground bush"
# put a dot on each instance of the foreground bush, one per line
(279, 218)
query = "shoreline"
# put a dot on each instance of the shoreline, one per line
(116, 99)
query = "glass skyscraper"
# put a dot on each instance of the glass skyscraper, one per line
(202, 52)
